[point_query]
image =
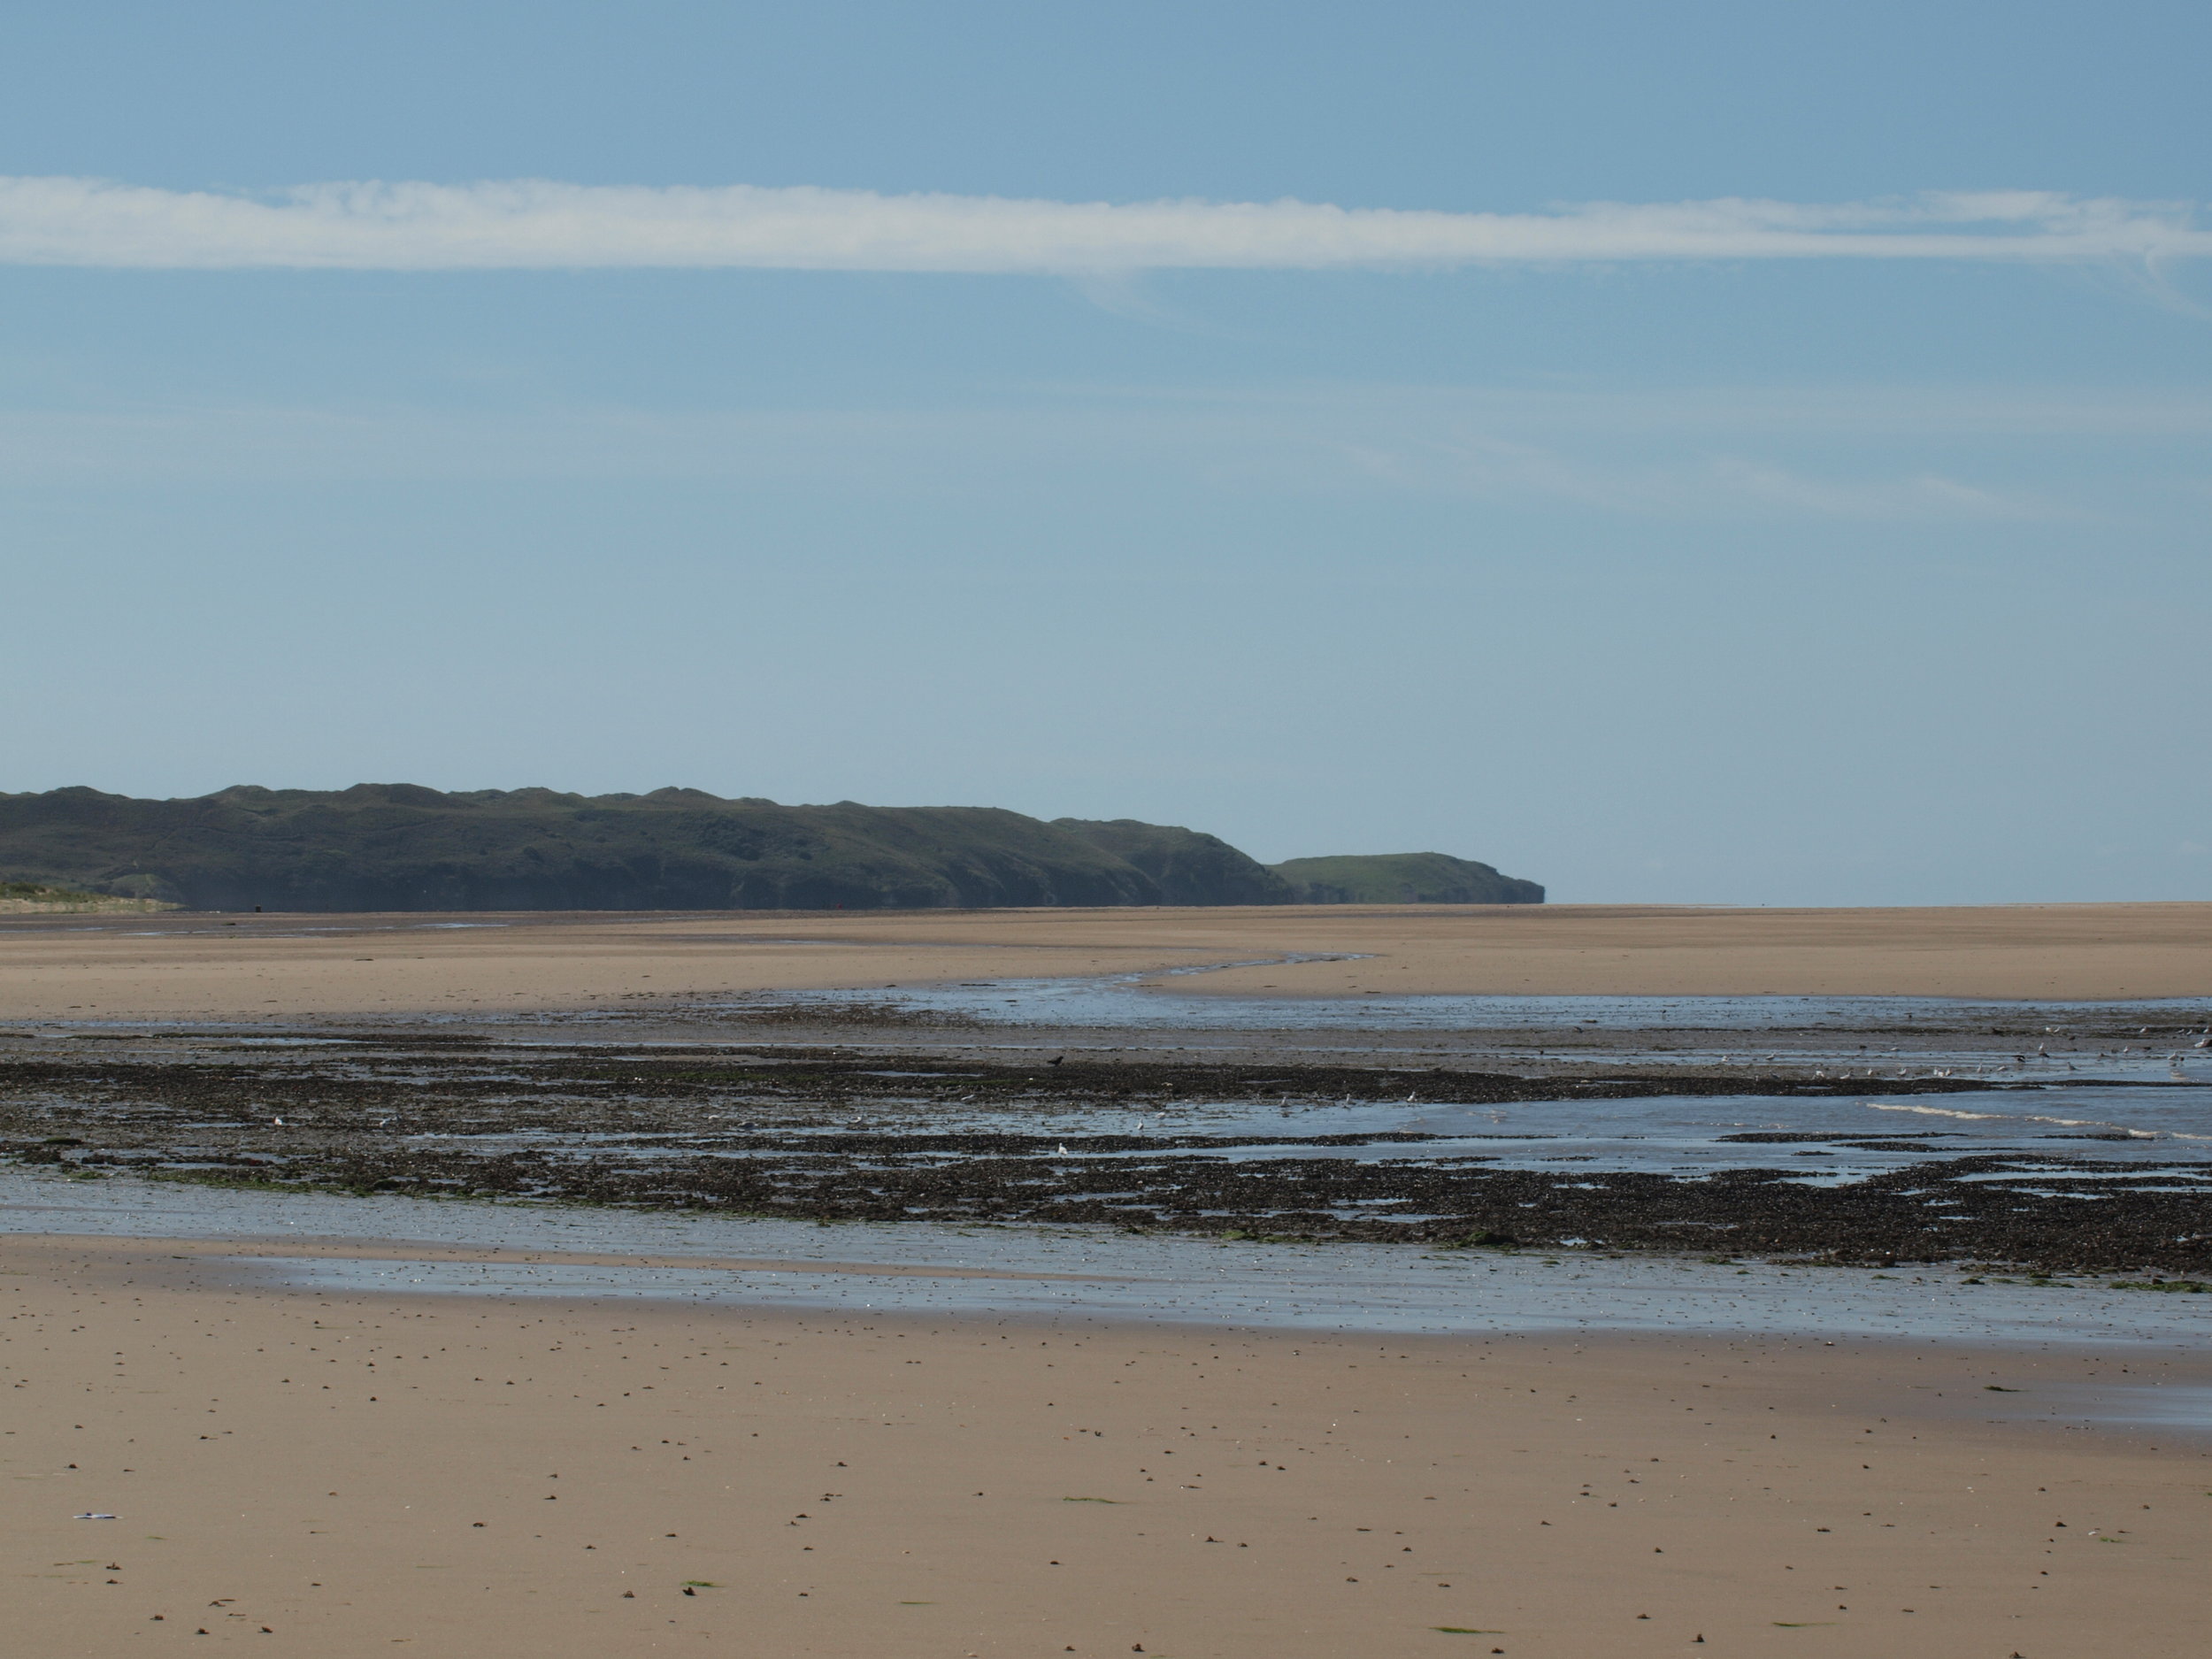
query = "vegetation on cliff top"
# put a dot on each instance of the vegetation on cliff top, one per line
(1184, 863)
(401, 847)
(1403, 879)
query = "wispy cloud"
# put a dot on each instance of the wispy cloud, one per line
(539, 224)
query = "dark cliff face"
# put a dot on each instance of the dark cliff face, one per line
(1403, 879)
(380, 847)
(401, 847)
(1184, 863)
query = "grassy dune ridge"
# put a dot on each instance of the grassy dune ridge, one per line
(23, 898)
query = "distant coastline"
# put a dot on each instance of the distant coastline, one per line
(402, 847)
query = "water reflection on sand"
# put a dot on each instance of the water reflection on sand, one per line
(1094, 1273)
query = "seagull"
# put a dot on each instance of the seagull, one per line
(1063, 1150)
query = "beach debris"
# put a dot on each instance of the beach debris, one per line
(93, 1514)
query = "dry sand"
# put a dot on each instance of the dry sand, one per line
(341, 1475)
(289, 967)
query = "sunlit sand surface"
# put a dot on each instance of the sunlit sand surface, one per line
(285, 967)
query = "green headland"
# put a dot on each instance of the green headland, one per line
(401, 847)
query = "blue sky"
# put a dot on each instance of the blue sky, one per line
(1708, 452)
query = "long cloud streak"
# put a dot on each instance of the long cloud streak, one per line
(535, 224)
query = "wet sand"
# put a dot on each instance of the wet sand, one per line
(2098, 1176)
(285, 968)
(354, 1472)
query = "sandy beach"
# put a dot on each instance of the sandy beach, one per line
(343, 1474)
(343, 1466)
(271, 967)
